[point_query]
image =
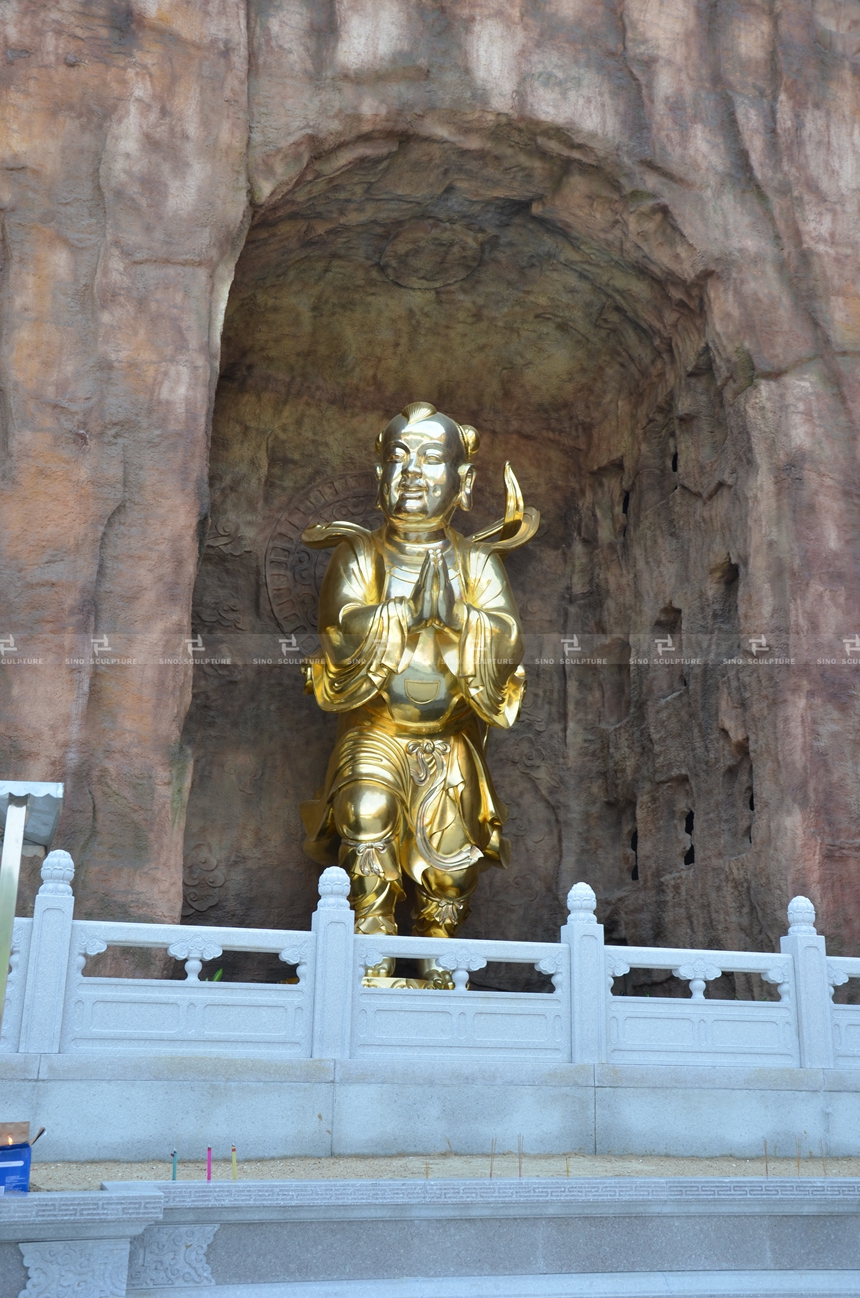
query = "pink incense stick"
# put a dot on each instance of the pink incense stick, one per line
(209, 1163)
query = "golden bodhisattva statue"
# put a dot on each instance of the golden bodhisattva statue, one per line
(420, 650)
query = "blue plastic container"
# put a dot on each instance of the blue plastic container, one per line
(15, 1169)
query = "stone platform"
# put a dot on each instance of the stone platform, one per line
(268, 1107)
(624, 1237)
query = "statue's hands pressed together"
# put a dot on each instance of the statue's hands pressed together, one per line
(433, 600)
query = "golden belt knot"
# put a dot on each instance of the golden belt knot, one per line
(421, 750)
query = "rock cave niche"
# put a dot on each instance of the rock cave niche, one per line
(520, 288)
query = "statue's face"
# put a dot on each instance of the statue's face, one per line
(423, 475)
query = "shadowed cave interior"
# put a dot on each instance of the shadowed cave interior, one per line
(520, 289)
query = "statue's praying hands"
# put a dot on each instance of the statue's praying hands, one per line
(433, 601)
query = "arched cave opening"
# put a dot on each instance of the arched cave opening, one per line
(518, 286)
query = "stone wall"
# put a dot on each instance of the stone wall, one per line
(622, 241)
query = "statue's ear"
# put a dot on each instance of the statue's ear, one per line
(467, 482)
(378, 502)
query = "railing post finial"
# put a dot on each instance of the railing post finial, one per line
(333, 889)
(801, 916)
(58, 870)
(581, 904)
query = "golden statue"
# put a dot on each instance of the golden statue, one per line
(420, 649)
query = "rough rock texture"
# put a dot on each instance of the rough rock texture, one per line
(123, 194)
(622, 240)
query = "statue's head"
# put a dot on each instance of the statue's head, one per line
(424, 467)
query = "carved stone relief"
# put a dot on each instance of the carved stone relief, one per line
(293, 572)
(167, 1256)
(86, 1268)
(431, 254)
(201, 879)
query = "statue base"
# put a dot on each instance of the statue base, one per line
(410, 984)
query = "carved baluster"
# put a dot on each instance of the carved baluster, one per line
(194, 950)
(697, 972)
(554, 966)
(298, 956)
(615, 968)
(371, 966)
(89, 946)
(836, 977)
(463, 961)
(780, 976)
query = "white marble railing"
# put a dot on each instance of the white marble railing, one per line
(327, 1012)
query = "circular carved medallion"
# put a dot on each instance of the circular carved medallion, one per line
(430, 254)
(293, 572)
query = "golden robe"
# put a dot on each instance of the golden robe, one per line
(415, 707)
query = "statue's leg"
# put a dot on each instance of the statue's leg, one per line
(442, 899)
(441, 906)
(367, 817)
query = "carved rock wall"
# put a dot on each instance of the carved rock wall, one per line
(621, 241)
